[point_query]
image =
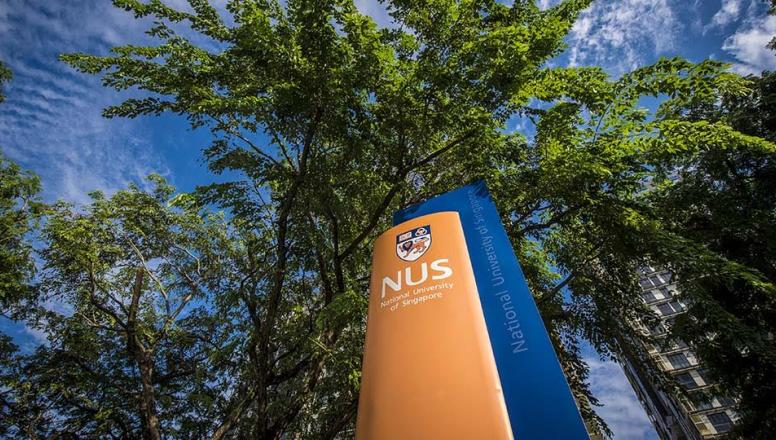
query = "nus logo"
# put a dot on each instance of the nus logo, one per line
(439, 271)
(412, 244)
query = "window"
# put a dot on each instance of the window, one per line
(670, 308)
(678, 360)
(726, 401)
(656, 280)
(645, 283)
(665, 309)
(667, 276)
(721, 421)
(680, 344)
(648, 296)
(704, 374)
(687, 381)
(665, 292)
(677, 306)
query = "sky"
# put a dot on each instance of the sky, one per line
(51, 122)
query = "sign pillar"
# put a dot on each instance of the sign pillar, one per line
(455, 345)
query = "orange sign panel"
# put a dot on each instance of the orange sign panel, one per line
(428, 370)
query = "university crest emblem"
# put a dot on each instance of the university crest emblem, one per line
(411, 245)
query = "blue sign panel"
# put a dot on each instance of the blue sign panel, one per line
(538, 398)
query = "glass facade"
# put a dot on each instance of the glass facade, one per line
(686, 380)
(678, 360)
(721, 421)
(676, 416)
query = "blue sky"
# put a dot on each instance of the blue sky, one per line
(51, 120)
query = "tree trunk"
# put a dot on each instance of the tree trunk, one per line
(144, 359)
(148, 397)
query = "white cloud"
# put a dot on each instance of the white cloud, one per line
(51, 121)
(624, 34)
(748, 45)
(728, 13)
(546, 4)
(622, 411)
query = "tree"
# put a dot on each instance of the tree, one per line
(331, 123)
(19, 210)
(682, 187)
(130, 345)
(20, 207)
(589, 214)
(722, 201)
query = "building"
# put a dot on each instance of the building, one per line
(674, 415)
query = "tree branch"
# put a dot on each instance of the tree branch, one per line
(548, 295)
(374, 219)
(234, 414)
(556, 218)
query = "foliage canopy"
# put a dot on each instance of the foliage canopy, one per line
(188, 323)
